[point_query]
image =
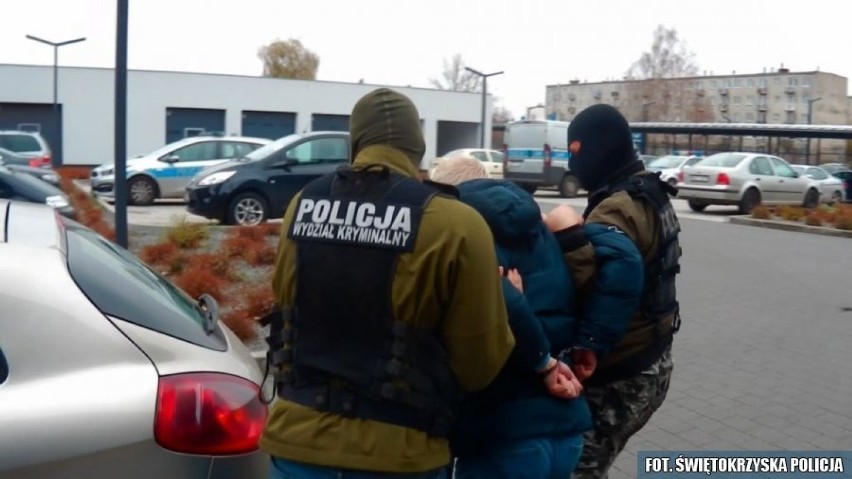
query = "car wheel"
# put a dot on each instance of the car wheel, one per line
(695, 206)
(568, 187)
(141, 191)
(811, 199)
(247, 209)
(529, 188)
(750, 199)
(836, 197)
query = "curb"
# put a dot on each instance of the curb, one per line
(784, 226)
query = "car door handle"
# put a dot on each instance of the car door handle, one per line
(757, 179)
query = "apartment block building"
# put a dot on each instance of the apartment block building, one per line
(777, 96)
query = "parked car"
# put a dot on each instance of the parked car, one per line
(27, 144)
(24, 187)
(745, 180)
(164, 172)
(44, 174)
(108, 370)
(831, 188)
(492, 160)
(647, 159)
(846, 177)
(537, 156)
(670, 166)
(833, 168)
(250, 190)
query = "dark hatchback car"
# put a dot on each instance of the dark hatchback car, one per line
(24, 187)
(249, 190)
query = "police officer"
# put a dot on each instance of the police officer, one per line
(631, 378)
(391, 306)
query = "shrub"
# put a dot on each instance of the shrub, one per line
(91, 216)
(216, 263)
(197, 281)
(177, 264)
(160, 253)
(813, 219)
(264, 254)
(791, 213)
(761, 213)
(844, 223)
(271, 229)
(250, 232)
(187, 235)
(240, 246)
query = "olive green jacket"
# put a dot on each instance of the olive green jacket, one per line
(449, 282)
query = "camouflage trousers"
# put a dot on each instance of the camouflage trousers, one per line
(620, 409)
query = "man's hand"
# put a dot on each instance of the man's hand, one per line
(514, 277)
(585, 361)
(562, 217)
(560, 381)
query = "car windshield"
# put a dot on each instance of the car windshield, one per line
(272, 148)
(667, 162)
(121, 286)
(723, 160)
(19, 143)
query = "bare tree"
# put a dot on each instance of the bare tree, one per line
(288, 59)
(455, 77)
(669, 57)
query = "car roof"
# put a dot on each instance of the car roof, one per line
(29, 224)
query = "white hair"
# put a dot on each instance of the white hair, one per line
(458, 169)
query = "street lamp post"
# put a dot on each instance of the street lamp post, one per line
(57, 155)
(484, 77)
(810, 112)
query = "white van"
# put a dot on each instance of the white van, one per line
(536, 154)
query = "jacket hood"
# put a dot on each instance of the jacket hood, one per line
(385, 117)
(511, 213)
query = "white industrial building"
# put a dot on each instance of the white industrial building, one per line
(165, 106)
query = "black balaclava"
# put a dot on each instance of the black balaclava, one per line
(601, 146)
(386, 117)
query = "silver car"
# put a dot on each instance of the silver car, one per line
(107, 370)
(831, 187)
(745, 180)
(165, 172)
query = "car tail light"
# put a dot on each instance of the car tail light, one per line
(723, 179)
(208, 414)
(548, 158)
(40, 161)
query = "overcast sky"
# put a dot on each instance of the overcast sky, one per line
(403, 42)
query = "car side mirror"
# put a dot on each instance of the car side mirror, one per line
(170, 159)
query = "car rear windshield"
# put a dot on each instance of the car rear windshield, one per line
(19, 143)
(724, 160)
(121, 286)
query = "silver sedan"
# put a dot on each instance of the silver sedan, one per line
(745, 180)
(108, 370)
(831, 188)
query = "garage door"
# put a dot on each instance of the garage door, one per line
(268, 124)
(321, 122)
(185, 122)
(36, 117)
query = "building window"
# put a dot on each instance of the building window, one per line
(749, 100)
(750, 117)
(793, 81)
(737, 83)
(714, 84)
(776, 117)
(804, 117)
(763, 82)
(750, 82)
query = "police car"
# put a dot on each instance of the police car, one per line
(165, 172)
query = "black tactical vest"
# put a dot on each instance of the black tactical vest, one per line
(659, 296)
(340, 349)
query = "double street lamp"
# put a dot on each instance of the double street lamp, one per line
(56, 157)
(484, 77)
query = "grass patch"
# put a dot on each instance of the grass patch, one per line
(187, 235)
